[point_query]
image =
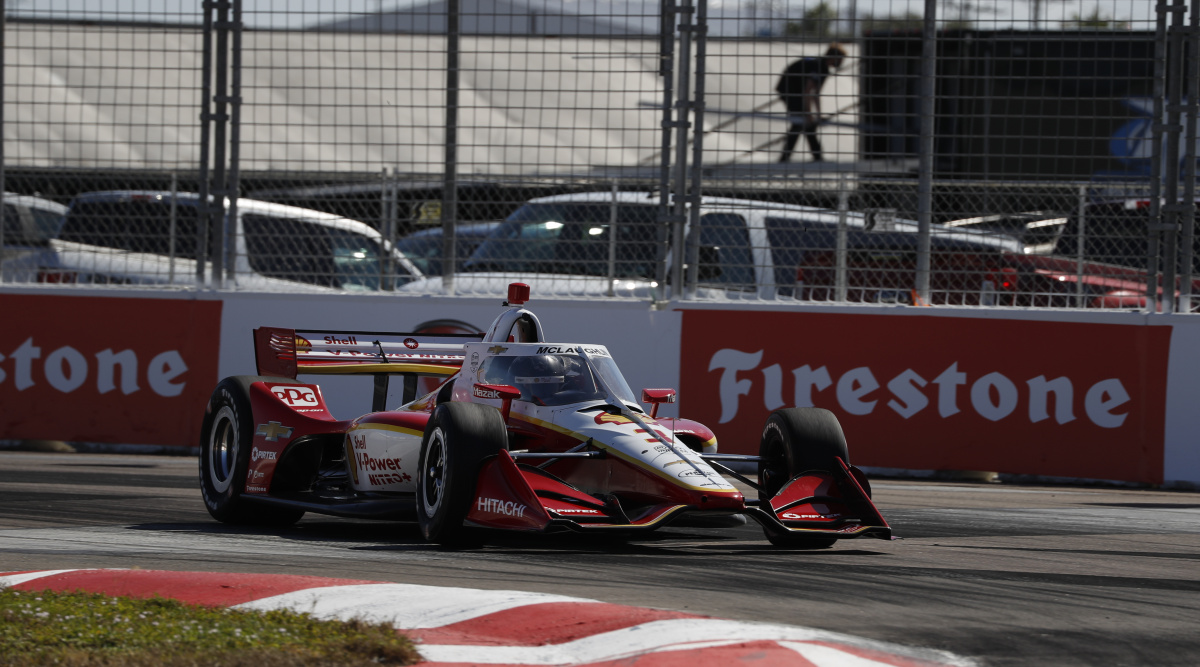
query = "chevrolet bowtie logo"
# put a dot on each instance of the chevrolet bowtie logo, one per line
(272, 431)
(497, 349)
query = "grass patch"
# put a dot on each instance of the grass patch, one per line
(79, 629)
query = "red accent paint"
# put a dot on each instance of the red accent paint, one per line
(410, 420)
(582, 501)
(656, 396)
(805, 486)
(847, 500)
(518, 294)
(503, 499)
(267, 407)
(765, 653)
(537, 624)
(503, 392)
(305, 399)
(214, 589)
(858, 497)
(275, 351)
(66, 360)
(572, 620)
(687, 428)
(887, 430)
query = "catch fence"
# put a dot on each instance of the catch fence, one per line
(1027, 154)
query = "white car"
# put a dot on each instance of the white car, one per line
(150, 238)
(29, 224)
(564, 246)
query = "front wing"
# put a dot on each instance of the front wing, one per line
(519, 497)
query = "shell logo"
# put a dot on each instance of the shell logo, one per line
(302, 345)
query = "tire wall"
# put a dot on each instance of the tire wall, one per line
(1053, 394)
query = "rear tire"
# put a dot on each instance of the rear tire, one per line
(226, 436)
(796, 440)
(458, 438)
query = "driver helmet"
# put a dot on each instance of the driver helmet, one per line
(578, 376)
(538, 376)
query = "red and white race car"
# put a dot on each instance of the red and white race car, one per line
(523, 435)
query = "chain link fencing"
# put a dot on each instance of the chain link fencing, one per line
(1028, 154)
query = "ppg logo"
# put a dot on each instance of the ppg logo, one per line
(296, 396)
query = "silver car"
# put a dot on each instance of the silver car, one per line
(151, 238)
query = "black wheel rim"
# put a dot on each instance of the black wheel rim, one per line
(772, 470)
(434, 473)
(223, 449)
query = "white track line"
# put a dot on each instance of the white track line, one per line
(407, 606)
(412, 607)
(14, 579)
(677, 635)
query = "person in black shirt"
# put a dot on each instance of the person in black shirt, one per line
(800, 89)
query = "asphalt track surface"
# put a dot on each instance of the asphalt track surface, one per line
(1006, 574)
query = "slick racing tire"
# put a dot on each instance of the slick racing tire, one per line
(458, 438)
(796, 440)
(226, 435)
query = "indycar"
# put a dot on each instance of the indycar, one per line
(517, 434)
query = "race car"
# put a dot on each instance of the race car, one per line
(520, 435)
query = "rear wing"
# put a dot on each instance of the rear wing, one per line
(289, 352)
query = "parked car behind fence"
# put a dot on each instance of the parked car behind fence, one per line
(882, 268)
(746, 249)
(29, 224)
(150, 238)
(424, 247)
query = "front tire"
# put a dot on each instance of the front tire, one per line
(458, 438)
(226, 435)
(794, 441)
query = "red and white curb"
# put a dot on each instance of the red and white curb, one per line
(462, 626)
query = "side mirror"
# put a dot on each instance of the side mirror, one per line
(656, 396)
(505, 392)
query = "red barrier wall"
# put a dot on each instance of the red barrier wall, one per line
(935, 393)
(106, 369)
(919, 389)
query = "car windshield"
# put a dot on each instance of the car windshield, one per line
(355, 260)
(571, 238)
(424, 248)
(558, 379)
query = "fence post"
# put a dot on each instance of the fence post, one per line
(699, 26)
(612, 240)
(3, 183)
(450, 172)
(204, 218)
(1153, 233)
(389, 215)
(840, 278)
(925, 148)
(1080, 246)
(217, 213)
(233, 186)
(174, 223)
(667, 72)
(1188, 205)
(1174, 129)
(682, 287)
